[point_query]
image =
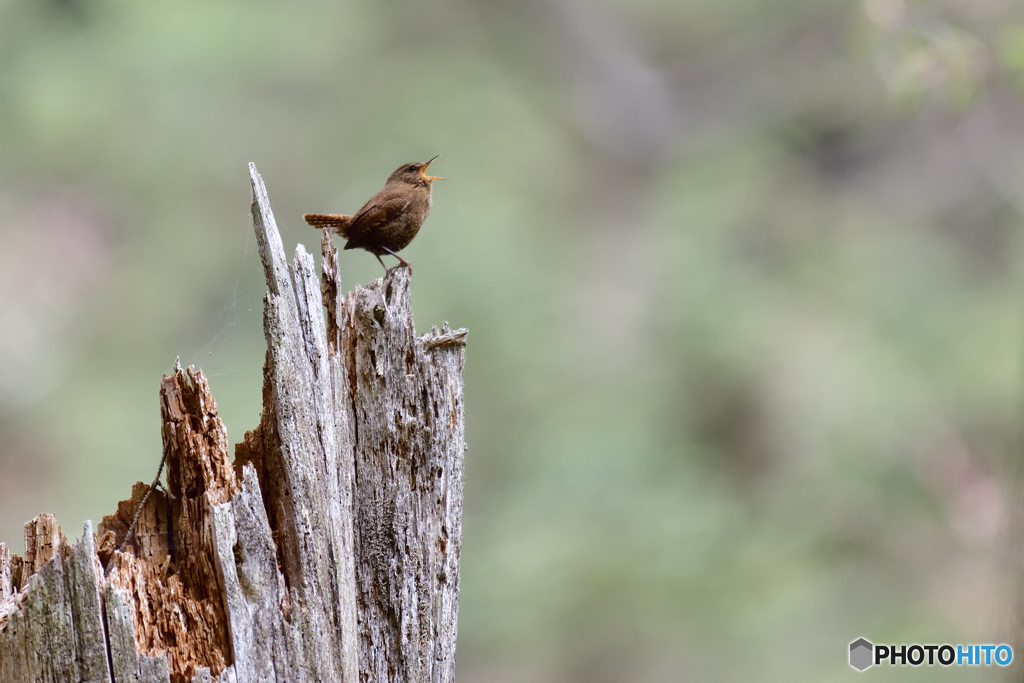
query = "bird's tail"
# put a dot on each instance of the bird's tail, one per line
(333, 222)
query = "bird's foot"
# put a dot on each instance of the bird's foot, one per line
(402, 263)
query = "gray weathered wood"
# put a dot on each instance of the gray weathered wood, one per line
(153, 669)
(301, 449)
(409, 455)
(55, 630)
(84, 577)
(6, 576)
(266, 646)
(120, 631)
(329, 551)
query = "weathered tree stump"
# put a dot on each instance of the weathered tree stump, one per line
(328, 550)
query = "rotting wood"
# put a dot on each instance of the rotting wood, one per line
(169, 579)
(327, 551)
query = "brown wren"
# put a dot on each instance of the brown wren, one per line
(388, 222)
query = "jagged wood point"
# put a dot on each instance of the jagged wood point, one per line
(327, 550)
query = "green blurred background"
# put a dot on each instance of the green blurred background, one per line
(742, 281)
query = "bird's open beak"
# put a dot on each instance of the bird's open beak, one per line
(424, 170)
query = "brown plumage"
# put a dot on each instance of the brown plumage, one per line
(388, 222)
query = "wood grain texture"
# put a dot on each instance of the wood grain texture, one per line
(407, 393)
(56, 630)
(84, 579)
(299, 450)
(328, 551)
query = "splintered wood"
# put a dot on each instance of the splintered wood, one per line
(169, 579)
(327, 551)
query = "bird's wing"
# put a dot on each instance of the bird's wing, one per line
(371, 217)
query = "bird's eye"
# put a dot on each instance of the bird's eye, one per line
(411, 169)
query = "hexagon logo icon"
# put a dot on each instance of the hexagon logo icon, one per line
(861, 651)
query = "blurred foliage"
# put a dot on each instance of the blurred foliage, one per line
(742, 280)
(919, 53)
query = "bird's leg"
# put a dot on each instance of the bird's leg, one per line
(386, 271)
(401, 261)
